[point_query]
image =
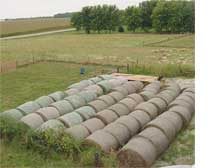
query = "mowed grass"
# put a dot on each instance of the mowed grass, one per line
(117, 49)
(22, 26)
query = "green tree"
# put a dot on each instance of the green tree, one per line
(76, 20)
(87, 18)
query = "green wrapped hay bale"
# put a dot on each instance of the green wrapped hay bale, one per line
(53, 124)
(57, 96)
(105, 77)
(28, 107)
(107, 116)
(12, 113)
(138, 152)
(71, 119)
(95, 80)
(119, 109)
(96, 89)
(117, 96)
(44, 101)
(107, 99)
(71, 91)
(128, 102)
(33, 120)
(159, 103)
(86, 112)
(93, 125)
(76, 101)
(106, 86)
(63, 106)
(98, 105)
(121, 89)
(48, 113)
(78, 132)
(136, 97)
(129, 87)
(142, 117)
(147, 95)
(88, 95)
(102, 139)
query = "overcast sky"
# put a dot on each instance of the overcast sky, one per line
(34, 8)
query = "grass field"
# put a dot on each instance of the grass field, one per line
(23, 26)
(30, 82)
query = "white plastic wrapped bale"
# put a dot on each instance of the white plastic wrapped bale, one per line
(147, 95)
(128, 102)
(71, 119)
(57, 96)
(136, 97)
(120, 89)
(44, 101)
(63, 106)
(106, 86)
(12, 113)
(48, 113)
(105, 77)
(98, 105)
(88, 95)
(71, 91)
(107, 99)
(52, 124)
(86, 112)
(76, 101)
(78, 132)
(95, 88)
(107, 116)
(129, 87)
(33, 120)
(159, 103)
(93, 125)
(95, 80)
(119, 109)
(117, 96)
(28, 107)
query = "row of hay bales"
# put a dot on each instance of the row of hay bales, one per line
(143, 149)
(44, 101)
(45, 118)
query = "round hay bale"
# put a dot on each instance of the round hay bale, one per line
(154, 85)
(159, 103)
(104, 140)
(105, 77)
(81, 85)
(107, 99)
(189, 94)
(183, 103)
(119, 109)
(119, 131)
(170, 92)
(152, 90)
(173, 85)
(95, 80)
(157, 137)
(106, 86)
(166, 97)
(33, 120)
(147, 95)
(88, 95)
(136, 97)
(95, 88)
(184, 112)
(186, 99)
(192, 90)
(12, 113)
(78, 132)
(71, 119)
(165, 126)
(76, 101)
(138, 152)
(48, 113)
(57, 96)
(142, 117)
(173, 89)
(114, 82)
(93, 125)
(128, 102)
(131, 124)
(53, 124)
(71, 91)
(28, 107)
(107, 116)
(129, 87)
(117, 96)
(174, 118)
(63, 106)
(121, 89)
(149, 108)
(44, 101)
(86, 112)
(98, 105)
(138, 85)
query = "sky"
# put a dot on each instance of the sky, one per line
(35, 8)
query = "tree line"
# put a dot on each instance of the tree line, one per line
(176, 16)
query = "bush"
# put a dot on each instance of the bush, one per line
(121, 29)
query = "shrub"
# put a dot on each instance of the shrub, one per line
(121, 29)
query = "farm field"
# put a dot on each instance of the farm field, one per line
(24, 26)
(49, 80)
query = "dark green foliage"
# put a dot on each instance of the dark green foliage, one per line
(121, 29)
(77, 20)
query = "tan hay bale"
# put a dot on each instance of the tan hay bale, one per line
(86, 112)
(95, 80)
(114, 82)
(119, 131)
(71, 119)
(174, 94)
(107, 116)
(53, 124)
(81, 85)
(12, 113)
(138, 85)
(174, 118)
(159, 103)
(104, 140)
(78, 132)
(166, 97)
(189, 94)
(152, 90)
(157, 137)
(183, 103)
(93, 125)
(149, 108)
(63, 106)
(33, 120)
(147, 95)
(76, 101)
(95, 88)
(57, 96)
(128, 102)
(136, 97)
(48, 113)
(192, 90)
(121, 89)
(88, 95)
(119, 109)
(106, 86)
(165, 126)
(98, 105)
(184, 112)
(187, 99)
(130, 88)
(107, 99)
(117, 96)
(44, 101)
(131, 124)
(138, 152)
(71, 91)
(28, 107)
(173, 89)
(142, 117)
